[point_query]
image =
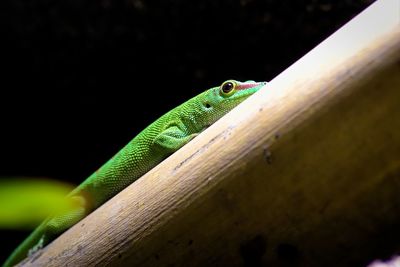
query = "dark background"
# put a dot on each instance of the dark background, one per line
(81, 77)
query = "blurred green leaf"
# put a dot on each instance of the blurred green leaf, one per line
(25, 202)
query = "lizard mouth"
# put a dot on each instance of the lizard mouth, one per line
(251, 87)
(244, 86)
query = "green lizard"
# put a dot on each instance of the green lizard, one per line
(156, 142)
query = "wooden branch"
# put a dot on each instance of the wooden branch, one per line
(304, 173)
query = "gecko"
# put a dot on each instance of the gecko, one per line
(151, 146)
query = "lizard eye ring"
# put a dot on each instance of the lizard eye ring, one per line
(228, 87)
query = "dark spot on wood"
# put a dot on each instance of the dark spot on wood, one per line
(157, 256)
(287, 252)
(253, 250)
(82, 224)
(277, 136)
(119, 256)
(324, 206)
(173, 242)
(267, 155)
(190, 242)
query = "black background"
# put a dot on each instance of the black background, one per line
(81, 77)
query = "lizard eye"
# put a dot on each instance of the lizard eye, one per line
(227, 88)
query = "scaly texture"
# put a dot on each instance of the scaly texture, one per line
(156, 142)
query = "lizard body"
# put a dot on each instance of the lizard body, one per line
(152, 145)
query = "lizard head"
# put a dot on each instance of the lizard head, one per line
(218, 101)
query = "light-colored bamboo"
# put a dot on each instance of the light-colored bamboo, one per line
(304, 173)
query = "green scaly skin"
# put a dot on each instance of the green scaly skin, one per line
(155, 143)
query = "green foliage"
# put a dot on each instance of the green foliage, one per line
(25, 202)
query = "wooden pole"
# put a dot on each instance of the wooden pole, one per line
(304, 173)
